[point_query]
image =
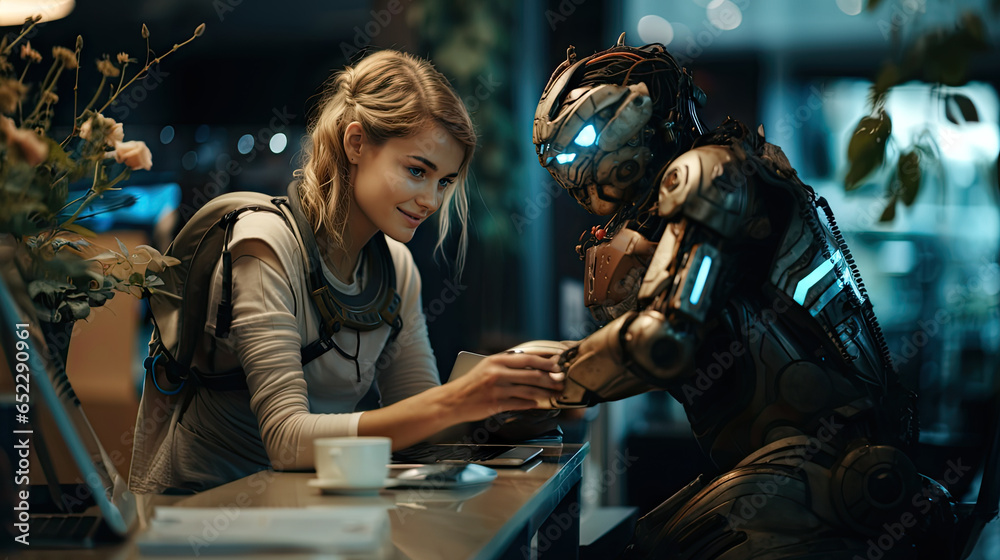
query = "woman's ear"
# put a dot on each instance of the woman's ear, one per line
(354, 139)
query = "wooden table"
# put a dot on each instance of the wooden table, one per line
(497, 520)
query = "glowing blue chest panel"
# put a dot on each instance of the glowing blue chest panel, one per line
(804, 272)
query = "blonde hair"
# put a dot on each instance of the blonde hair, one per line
(392, 95)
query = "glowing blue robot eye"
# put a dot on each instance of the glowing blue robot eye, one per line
(586, 136)
(565, 158)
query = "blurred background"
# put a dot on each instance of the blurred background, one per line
(227, 112)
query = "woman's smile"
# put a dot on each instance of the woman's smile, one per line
(412, 219)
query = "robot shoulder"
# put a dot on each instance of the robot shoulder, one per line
(710, 185)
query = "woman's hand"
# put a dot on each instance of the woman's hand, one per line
(503, 382)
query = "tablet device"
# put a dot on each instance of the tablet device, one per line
(491, 455)
(465, 361)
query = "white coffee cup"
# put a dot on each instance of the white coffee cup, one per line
(353, 462)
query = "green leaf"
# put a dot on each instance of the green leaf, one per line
(866, 151)
(908, 170)
(76, 228)
(888, 77)
(889, 214)
(104, 256)
(79, 306)
(123, 248)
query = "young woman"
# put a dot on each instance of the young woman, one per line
(389, 145)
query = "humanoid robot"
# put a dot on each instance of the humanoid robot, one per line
(724, 280)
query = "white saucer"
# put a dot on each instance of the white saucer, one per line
(328, 486)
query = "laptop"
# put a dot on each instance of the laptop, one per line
(68, 492)
(463, 444)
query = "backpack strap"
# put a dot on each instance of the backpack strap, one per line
(377, 304)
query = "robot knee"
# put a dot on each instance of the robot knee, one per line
(874, 487)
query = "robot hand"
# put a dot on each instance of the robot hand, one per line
(635, 353)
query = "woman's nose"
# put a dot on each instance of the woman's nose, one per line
(427, 197)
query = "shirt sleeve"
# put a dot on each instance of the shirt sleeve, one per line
(407, 365)
(266, 340)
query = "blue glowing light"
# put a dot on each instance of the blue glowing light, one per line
(699, 283)
(809, 281)
(586, 136)
(565, 158)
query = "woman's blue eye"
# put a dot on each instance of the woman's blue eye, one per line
(443, 183)
(416, 171)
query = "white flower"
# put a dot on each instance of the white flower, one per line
(114, 131)
(134, 154)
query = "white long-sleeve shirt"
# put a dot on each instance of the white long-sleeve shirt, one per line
(204, 438)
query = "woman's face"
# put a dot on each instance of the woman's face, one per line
(399, 184)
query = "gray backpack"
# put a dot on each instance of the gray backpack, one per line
(180, 306)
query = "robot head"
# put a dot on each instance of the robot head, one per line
(605, 120)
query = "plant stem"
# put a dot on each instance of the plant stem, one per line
(143, 72)
(47, 87)
(76, 89)
(71, 203)
(52, 70)
(91, 195)
(97, 94)
(124, 66)
(19, 37)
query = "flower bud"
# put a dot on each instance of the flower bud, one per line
(198, 31)
(145, 31)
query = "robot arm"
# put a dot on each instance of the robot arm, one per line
(708, 207)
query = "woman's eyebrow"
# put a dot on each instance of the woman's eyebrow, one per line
(431, 164)
(426, 162)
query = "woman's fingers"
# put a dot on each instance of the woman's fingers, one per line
(544, 379)
(513, 381)
(523, 360)
(534, 394)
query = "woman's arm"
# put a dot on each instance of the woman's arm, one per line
(498, 383)
(268, 348)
